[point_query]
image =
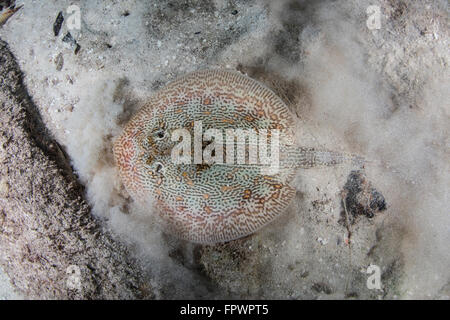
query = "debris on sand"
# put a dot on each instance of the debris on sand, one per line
(361, 198)
(73, 43)
(8, 14)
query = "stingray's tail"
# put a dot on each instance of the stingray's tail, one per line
(305, 158)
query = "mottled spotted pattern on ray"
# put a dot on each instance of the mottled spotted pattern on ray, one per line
(213, 203)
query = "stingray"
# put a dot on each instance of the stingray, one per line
(212, 201)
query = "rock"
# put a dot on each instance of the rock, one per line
(361, 198)
(58, 23)
(39, 245)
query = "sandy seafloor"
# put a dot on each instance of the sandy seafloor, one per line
(382, 93)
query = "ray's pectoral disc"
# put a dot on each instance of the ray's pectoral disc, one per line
(206, 149)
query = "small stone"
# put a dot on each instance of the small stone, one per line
(68, 38)
(77, 48)
(58, 23)
(59, 61)
(69, 79)
(322, 287)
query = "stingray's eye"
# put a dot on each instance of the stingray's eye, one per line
(159, 168)
(159, 134)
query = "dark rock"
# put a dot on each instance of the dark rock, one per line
(361, 199)
(321, 287)
(73, 43)
(58, 23)
(68, 38)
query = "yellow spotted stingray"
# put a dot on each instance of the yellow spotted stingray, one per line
(218, 202)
